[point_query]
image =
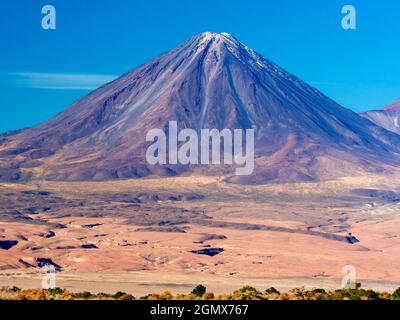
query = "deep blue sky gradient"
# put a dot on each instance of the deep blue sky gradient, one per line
(360, 69)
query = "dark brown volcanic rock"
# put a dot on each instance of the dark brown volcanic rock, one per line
(7, 244)
(210, 81)
(41, 262)
(208, 252)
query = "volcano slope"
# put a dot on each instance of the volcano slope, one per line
(210, 81)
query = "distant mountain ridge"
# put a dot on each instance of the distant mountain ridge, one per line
(210, 81)
(395, 105)
(388, 117)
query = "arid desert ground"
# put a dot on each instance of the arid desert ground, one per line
(147, 235)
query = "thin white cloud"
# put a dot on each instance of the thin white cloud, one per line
(60, 81)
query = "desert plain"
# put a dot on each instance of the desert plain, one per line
(148, 235)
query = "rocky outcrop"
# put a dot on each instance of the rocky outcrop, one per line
(7, 244)
(208, 251)
(41, 262)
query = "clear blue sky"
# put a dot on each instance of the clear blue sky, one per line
(43, 72)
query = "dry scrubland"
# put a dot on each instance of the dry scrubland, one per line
(200, 293)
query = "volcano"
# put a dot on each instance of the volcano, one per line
(210, 81)
(388, 117)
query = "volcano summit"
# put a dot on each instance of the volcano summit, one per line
(212, 81)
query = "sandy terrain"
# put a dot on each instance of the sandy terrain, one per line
(146, 235)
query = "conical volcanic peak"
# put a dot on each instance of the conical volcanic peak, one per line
(211, 81)
(218, 44)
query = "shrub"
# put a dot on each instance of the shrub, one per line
(126, 297)
(318, 290)
(384, 295)
(153, 296)
(55, 291)
(271, 291)
(181, 296)
(34, 294)
(118, 295)
(284, 296)
(208, 296)
(298, 292)
(371, 295)
(396, 294)
(83, 295)
(247, 293)
(68, 296)
(225, 296)
(166, 295)
(103, 296)
(199, 290)
(319, 296)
